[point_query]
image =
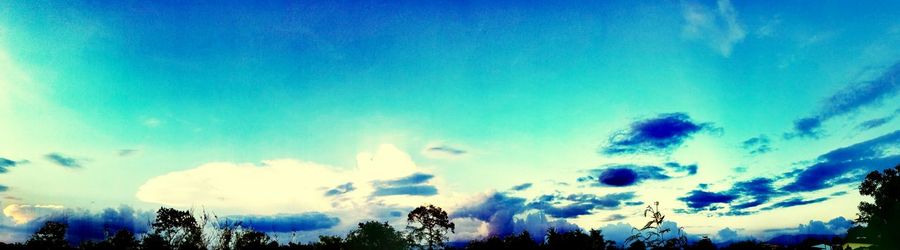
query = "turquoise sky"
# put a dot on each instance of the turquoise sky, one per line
(156, 104)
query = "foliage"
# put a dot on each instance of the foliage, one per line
(882, 218)
(433, 226)
(653, 233)
(376, 235)
(178, 229)
(50, 236)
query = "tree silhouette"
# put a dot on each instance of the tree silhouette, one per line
(703, 244)
(637, 245)
(254, 240)
(178, 229)
(376, 235)
(123, 240)
(52, 235)
(429, 226)
(882, 218)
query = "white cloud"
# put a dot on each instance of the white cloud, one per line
(290, 186)
(21, 214)
(719, 28)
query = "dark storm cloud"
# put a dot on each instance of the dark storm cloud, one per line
(757, 145)
(849, 100)
(621, 175)
(522, 186)
(794, 202)
(660, 134)
(848, 164)
(340, 189)
(575, 205)
(63, 160)
(418, 190)
(284, 223)
(499, 211)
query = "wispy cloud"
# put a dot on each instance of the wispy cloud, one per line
(521, 187)
(7, 163)
(718, 27)
(62, 160)
(849, 100)
(757, 145)
(848, 164)
(443, 151)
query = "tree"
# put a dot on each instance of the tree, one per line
(575, 239)
(52, 235)
(178, 229)
(429, 226)
(253, 240)
(123, 240)
(703, 244)
(329, 243)
(637, 245)
(376, 235)
(881, 218)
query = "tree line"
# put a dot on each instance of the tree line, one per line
(428, 227)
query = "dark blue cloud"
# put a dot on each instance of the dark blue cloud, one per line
(63, 160)
(522, 186)
(741, 195)
(794, 202)
(414, 179)
(848, 100)
(420, 190)
(838, 193)
(340, 189)
(409, 185)
(660, 134)
(757, 145)
(678, 168)
(622, 175)
(701, 199)
(575, 205)
(618, 177)
(634, 203)
(84, 225)
(3, 188)
(848, 164)
(285, 223)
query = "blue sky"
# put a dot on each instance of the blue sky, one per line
(729, 114)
